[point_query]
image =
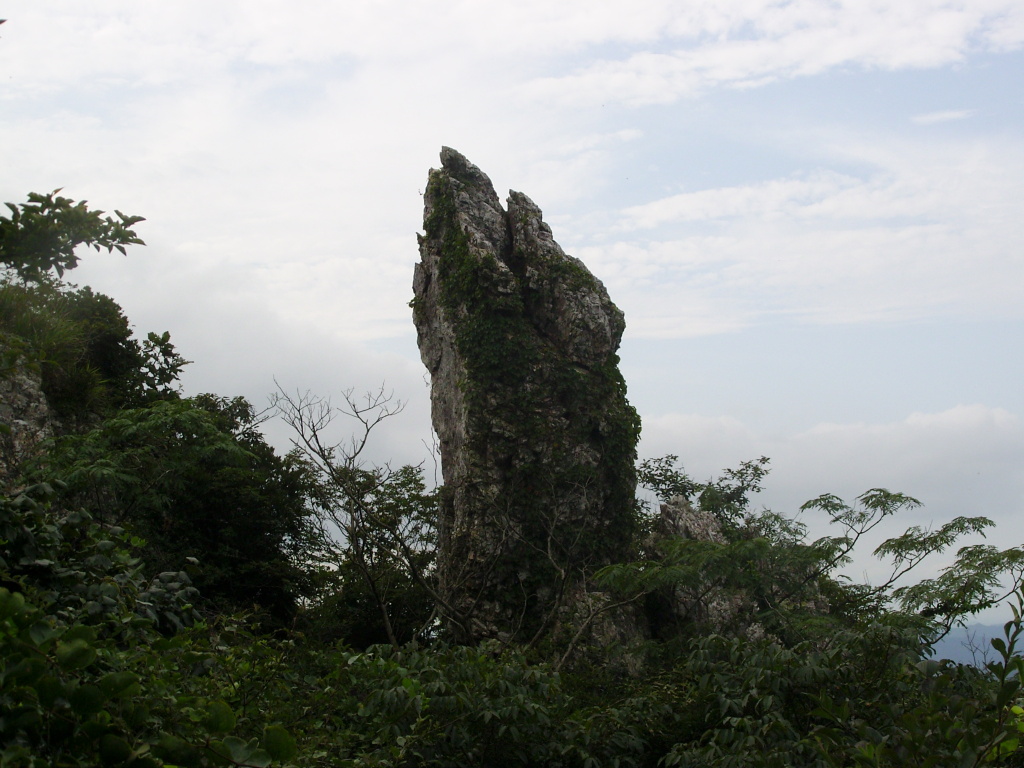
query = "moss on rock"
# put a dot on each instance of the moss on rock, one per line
(538, 441)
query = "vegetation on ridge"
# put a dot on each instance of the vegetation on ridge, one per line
(174, 593)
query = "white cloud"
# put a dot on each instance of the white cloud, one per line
(705, 444)
(961, 441)
(758, 42)
(187, 114)
(963, 455)
(769, 199)
(929, 232)
(672, 49)
(930, 118)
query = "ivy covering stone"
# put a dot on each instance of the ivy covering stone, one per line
(537, 438)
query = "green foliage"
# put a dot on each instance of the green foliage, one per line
(788, 585)
(726, 498)
(96, 671)
(376, 586)
(82, 344)
(947, 715)
(442, 706)
(668, 481)
(196, 480)
(79, 340)
(76, 696)
(976, 580)
(156, 377)
(97, 663)
(42, 234)
(80, 569)
(374, 528)
(132, 373)
(37, 329)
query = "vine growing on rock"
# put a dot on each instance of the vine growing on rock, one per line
(544, 493)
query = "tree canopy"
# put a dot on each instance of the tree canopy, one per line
(41, 236)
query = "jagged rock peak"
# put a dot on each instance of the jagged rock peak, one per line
(458, 167)
(537, 439)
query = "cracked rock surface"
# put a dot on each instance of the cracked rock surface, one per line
(537, 439)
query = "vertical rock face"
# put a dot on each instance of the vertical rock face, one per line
(25, 417)
(537, 439)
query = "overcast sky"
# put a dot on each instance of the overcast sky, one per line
(811, 212)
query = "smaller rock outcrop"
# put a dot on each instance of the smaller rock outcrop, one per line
(26, 418)
(678, 518)
(713, 594)
(701, 605)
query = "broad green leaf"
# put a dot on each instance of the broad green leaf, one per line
(279, 743)
(259, 758)
(120, 684)
(236, 749)
(114, 750)
(80, 632)
(219, 717)
(77, 654)
(1006, 692)
(86, 700)
(49, 689)
(11, 603)
(42, 632)
(26, 671)
(27, 718)
(176, 751)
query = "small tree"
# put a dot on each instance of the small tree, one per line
(375, 527)
(790, 583)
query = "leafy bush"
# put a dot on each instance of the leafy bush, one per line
(41, 235)
(99, 665)
(200, 484)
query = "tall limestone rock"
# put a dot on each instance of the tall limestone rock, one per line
(537, 439)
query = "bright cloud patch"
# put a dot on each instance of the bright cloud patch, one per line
(929, 233)
(713, 45)
(942, 117)
(961, 451)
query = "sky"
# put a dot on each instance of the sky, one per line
(810, 212)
